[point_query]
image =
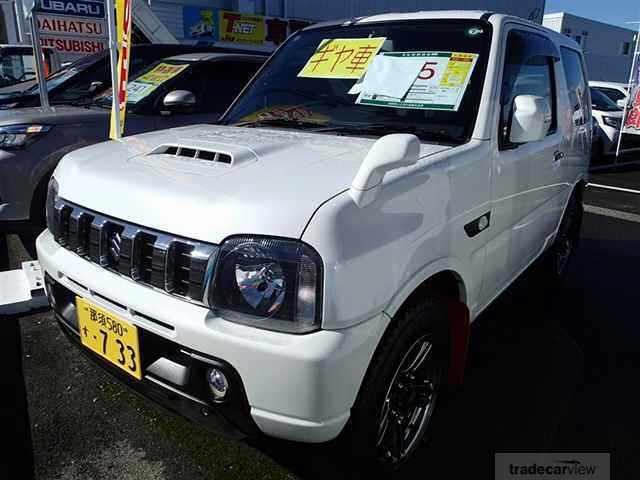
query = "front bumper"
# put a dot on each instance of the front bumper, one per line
(297, 387)
(173, 376)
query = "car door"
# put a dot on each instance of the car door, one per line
(215, 84)
(575, 102)
(525, 183)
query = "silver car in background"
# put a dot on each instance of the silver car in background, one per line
(181, 90)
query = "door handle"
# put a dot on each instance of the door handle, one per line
(558, 155)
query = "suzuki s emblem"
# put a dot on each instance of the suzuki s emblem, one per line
(114, 247)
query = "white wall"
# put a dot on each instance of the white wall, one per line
(601, 43)
(8, 23)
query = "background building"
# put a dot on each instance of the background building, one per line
(181, 16)
(8, 25)
(259, 25)
(608, 49)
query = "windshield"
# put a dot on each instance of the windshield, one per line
(68, 72)
(418, 77)
(612, 93)
(16, 66)
(599, 101)
(156, 78)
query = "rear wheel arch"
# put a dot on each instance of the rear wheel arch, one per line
(577, 193)
(579, 189)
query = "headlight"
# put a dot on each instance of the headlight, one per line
(17, 136)
(614, 122)
(268, 283)
(52, 198)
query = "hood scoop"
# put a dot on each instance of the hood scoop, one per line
(194, 153)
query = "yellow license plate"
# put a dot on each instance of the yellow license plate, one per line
(109, 336)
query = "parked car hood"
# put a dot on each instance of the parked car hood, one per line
(16, 89)
(609, 113)
(57, 115)
(275, 182)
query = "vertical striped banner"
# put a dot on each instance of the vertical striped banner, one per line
(123, 28)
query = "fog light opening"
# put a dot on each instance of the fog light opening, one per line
(218, 384)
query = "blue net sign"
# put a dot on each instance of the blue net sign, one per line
(200, 23)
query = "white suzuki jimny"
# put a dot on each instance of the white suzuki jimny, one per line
(309, 267)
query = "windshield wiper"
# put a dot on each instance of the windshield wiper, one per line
(370, 129)
(386, 128)
(280, 122)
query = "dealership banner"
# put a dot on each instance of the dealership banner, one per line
(74, 8)
(209, 25)
(123, 29)
(200, 23)
(632, 120)
(74, 28)
(241, 27)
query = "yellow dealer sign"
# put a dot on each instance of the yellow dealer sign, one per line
(342, 58)
(240, 27)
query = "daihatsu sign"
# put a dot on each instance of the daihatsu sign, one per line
(74, 28)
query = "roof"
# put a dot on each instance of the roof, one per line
(595, 83)
(19, 46)
(495, 18)
(210, 57)
(393, 17)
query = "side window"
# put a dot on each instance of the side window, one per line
(222, 82)
(612, 93)
(576, 85)
(528, 70)
(16, 67)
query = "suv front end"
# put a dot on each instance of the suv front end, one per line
(287, 378)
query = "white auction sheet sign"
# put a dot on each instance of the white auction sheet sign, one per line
(438, 84)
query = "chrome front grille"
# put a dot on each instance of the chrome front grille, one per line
(175, 265)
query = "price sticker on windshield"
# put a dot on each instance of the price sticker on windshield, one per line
(146, 83)
(438, 84)
(342, 58)
(161, 73)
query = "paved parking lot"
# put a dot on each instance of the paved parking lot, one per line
(550, 370)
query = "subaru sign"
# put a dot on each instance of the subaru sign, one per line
(73, 8)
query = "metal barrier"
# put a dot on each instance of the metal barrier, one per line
(21, 292)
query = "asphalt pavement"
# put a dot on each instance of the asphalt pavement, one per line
(549, 370)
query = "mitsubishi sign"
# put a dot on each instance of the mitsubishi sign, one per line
(74, 28)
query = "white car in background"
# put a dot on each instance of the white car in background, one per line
(608, 116)
(616, 91)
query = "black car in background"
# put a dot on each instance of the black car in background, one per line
(91, 74)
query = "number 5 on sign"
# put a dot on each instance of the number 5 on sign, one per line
(342, 58)
(432, 71)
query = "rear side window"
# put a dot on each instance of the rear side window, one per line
(528, 70)
(576, 84)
